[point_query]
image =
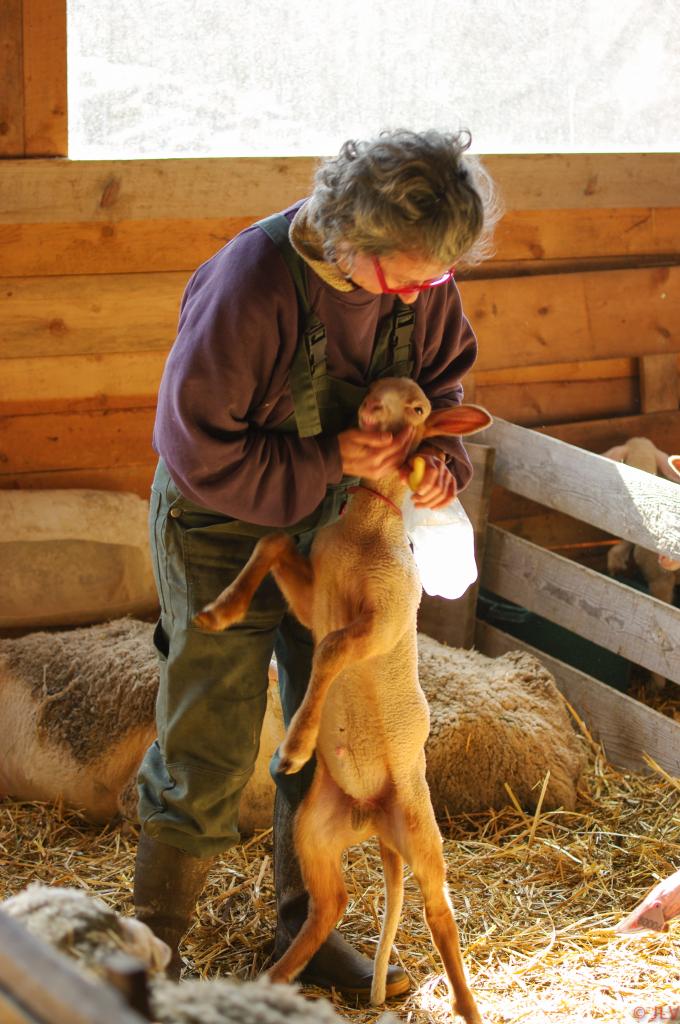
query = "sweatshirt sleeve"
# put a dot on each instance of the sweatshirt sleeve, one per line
(449, 351)
(225, 383)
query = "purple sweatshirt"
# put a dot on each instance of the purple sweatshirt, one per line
(225, 384)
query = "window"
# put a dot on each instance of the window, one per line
(163, 78)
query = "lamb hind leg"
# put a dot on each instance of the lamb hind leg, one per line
(322, 833)
(419, 841)
(394, 898)
(275, 553)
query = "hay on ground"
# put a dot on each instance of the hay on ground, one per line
(536, 897)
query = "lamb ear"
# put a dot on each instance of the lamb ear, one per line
(671, 467)
(617, 453)
(458, 420)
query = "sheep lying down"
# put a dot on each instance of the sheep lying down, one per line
(88, 932)
(77, 714)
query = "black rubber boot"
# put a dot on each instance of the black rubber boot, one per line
(167, 885)
(336, 964)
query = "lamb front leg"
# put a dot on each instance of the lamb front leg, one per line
(276, 553)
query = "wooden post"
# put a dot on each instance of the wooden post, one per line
(33, 116)
(659, 389)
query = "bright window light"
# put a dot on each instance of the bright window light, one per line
(162, 78)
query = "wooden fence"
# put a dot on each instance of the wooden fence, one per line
(627, 504)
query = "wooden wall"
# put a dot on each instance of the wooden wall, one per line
(577, 314)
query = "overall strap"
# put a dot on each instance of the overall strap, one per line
(308, 372)
(392, 353)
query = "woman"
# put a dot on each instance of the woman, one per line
(280, 334)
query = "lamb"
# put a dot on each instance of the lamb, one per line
(364, 711)
(661, 572)
(90, 933)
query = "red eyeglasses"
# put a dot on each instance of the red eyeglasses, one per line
(423, 286)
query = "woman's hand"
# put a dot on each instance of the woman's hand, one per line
(373, 455)
(437, 487)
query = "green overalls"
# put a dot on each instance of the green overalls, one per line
(213, 686)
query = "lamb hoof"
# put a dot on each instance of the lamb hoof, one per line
(208, 620)
(291, 765)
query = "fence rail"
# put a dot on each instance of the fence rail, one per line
(628, 504)
(624, 501)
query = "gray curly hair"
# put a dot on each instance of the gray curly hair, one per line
(406, 191)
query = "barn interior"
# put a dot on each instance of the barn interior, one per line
(577, 314)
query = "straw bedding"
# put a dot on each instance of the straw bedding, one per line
(536, 897)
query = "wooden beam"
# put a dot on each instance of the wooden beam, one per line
(520, 322)
(540, 403)
(75, 441)
(659, 382)
(626, 728)
(585, 180)
(58, 316)
(152, 243)
(113, 247)
(611, 314)
(44, 74)
(626, 502)
(588, 603)
(540, 235)
(135, 478)
(106, 190)
(80, 382)
(11, 84)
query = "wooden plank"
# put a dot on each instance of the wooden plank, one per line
(133, 246)
(75, 441)
(540, 403)
(11, 84)
(113, 247)
(555, 531)
(453, 622)
(135, 479)
(45, 108)
(588, 603)
(48, 986)
(659, 382)
(573, 233)
(581, 369)
(97, 381)
(663, 428)
(585, 180)
(626, 728)
(610, 495)
(520, 322)
(38, 190)
(11, 1012)
(51, 316)
(611, 314)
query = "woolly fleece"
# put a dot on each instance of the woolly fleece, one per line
(495, 721)
(110, 669)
